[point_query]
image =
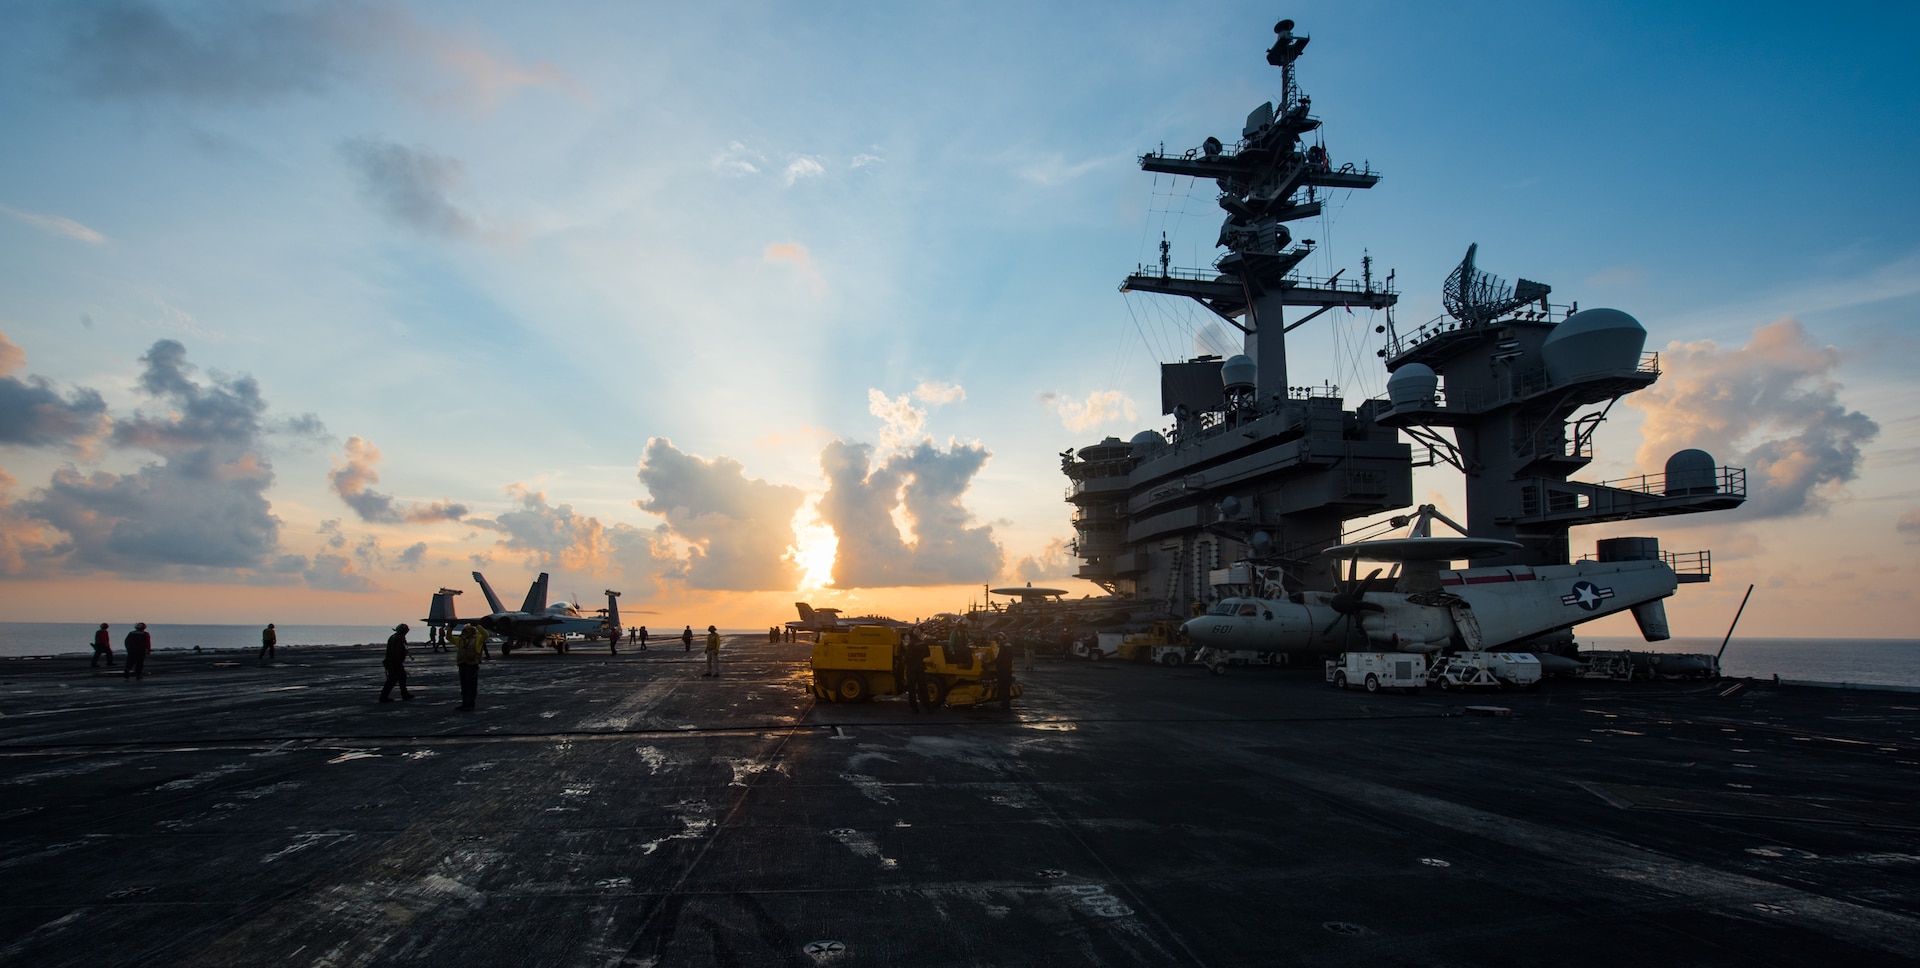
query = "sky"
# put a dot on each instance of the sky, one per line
(308, 309)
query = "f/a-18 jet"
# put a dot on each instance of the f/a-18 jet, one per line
(535, 622)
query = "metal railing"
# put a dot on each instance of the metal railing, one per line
(1725, 480)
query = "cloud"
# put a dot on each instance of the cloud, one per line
(332, 573)
(411, 186)
(1212, 338)
(353, 481)
(902, 423)
(738, 160)
(1051, 170)
(234, 52)
(864, 160)
(1909, 525)
(803, 167)
(34, 414)
(24, 540)
(925, 485)
(1101, 406)
(1775, 398)
(556, 536)
(740, 529)
(57, 225)
(202, 506)
(1054, 562)
(796, 255)
(219, 52)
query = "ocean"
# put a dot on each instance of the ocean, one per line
(1877, 662)
(30, 639)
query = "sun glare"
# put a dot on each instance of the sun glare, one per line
(814, 545)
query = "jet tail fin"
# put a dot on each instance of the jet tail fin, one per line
(536, 596)
(613, 610)
(440, 613)
(806, 611)
(493, 601)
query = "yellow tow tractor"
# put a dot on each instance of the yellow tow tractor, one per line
(856, 664)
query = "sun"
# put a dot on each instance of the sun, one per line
(814, 547)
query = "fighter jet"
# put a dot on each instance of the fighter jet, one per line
(828, 619)
(536, 622)
(1426, 608)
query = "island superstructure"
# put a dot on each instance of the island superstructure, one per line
(1257, 470)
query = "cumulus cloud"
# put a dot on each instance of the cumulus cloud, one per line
(556, 538)
(34, 414)
(202, 505)
(25, 541)
(902, 423)
(1054, 562)
(1771, 406)
(57, 225)
(1100, 406)
(740, 529)
(353, 481)
(803, 167)
(412, 186)
(924, 484)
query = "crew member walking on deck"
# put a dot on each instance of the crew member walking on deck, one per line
(139, 642)
(613, 641)
(913, 670)
(467, 658)
(268, 639)
(643, 638)
(713, 652)
(1003, 673)
(102, 645)
(686, 639)
(396, 664)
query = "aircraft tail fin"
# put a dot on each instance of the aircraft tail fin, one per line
(493, 601)
(440, 613)
(536, 596)
(806, 611)
(613, 610)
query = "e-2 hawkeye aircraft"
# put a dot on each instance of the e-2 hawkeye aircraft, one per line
(1427, 607)
(535, 622)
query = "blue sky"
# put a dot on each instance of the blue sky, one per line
(602, 285)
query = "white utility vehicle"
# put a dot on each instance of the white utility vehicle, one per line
(1375, 671)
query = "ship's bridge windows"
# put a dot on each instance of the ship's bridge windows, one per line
(1223, 608)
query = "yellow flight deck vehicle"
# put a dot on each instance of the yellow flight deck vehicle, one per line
(856, 664)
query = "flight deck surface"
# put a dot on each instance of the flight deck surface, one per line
(602, 810)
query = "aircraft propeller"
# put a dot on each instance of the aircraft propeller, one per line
(1349, 599)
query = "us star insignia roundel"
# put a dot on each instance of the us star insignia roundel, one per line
(1587, 595)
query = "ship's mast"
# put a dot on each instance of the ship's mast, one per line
(1267, 179)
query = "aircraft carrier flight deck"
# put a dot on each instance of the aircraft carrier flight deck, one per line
(603, 810)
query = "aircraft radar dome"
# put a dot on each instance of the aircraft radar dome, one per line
(1148, 440)
(1593, 342)
(1413, 387)
(1238, 372)
(1692, 471)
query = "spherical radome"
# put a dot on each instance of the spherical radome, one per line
(1593, 342)
(1412, 387)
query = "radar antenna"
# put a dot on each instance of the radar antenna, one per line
(1476, 298)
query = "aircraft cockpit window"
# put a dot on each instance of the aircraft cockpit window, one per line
(1223, 608)
(1249, 609)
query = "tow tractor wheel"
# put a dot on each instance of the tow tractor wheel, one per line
(1170, 659)
(1373, 683)
(1340, 680)
(1095, 654)
(933, 692)
(853, 688)
(1446, 685)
